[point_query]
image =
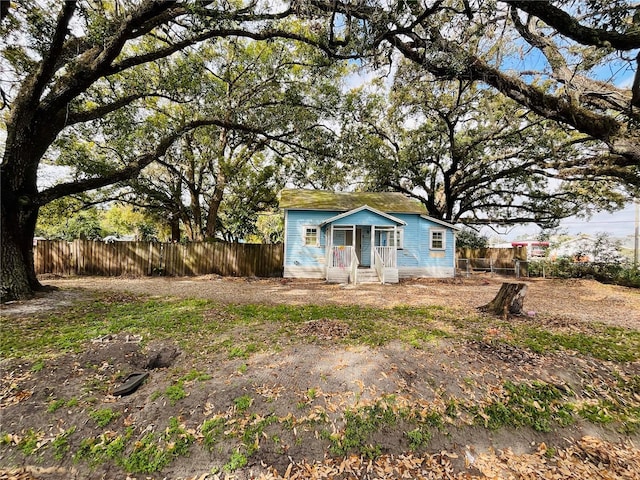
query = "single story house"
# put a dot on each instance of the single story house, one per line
(362, 237)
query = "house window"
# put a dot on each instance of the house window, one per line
(437, 239)
(311, 236)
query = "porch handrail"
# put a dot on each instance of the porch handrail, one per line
(378, 264)
(354, 266)
(388, 256)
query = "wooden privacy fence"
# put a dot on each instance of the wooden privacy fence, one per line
(86, 257)
(494, 260)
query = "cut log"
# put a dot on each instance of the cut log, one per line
(508, 300)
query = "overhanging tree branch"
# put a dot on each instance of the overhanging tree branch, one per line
(570, 27)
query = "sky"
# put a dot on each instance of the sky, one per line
(619, 224)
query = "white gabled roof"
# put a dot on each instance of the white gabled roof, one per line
(359, 209)
(440, 222)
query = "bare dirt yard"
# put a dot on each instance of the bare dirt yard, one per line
(270, 378)
(576, 299)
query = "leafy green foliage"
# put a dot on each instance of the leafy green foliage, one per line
(618, 273)
(468, 238)
(466, 150)
(264, 104)
(66, 219)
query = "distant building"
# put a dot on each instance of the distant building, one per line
(535, 249)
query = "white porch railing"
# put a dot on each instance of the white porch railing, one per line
(344, 257)
(354, 267)
(341, 256)
(378, 265)
(388, 256)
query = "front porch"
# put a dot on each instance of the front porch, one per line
(362, 254)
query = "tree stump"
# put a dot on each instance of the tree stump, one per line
(508, 300)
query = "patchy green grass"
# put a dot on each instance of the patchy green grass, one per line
(149, 454)
(37, 366)
(175, 392)
(103, 416)
(237, 460)
(185, 319)
(243, 403)
(537, 405)
(68, 329)
(60, 444)
(248, 424)
(599, 341)
(272, 326)
(360, 425)
(213, 431)
(29, 443)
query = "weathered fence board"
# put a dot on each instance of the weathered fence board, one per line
(85, 257)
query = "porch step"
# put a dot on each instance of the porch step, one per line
(368, 276)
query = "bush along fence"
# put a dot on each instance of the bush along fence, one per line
(619, 273)
(86, 257)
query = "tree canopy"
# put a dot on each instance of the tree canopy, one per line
(470, 154)
(565, 61)
(70, 64)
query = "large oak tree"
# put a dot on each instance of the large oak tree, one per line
(287, 95)
(469, 154)
(560, 59)
(68, 63)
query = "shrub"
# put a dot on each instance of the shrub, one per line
(618, 273)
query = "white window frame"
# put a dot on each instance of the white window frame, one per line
(390, 238)
(432, 233)
(395, 238)
(306, 236)
(399, 238)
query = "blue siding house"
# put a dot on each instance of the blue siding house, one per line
(362, 237)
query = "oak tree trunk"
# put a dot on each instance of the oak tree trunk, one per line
(27, 140)
(508, 300)
(174, 221)
(18, 273)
